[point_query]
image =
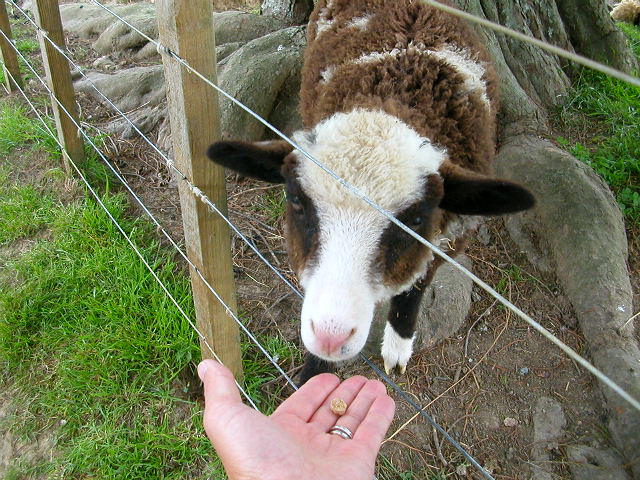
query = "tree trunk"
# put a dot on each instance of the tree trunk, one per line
(297, 11)
(589, 255)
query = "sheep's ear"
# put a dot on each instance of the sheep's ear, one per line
(261, 160)
(476, 195)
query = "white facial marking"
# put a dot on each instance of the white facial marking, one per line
(375, 152)
(396, 351)
(387, 161)
(338, 295)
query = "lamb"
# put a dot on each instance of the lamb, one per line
(399, 99)
(627, 11)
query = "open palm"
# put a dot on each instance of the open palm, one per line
(293, 442)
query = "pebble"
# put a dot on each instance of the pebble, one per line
(510, 422)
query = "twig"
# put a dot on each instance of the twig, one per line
(438, 448)
(466, 341)
(404, 425)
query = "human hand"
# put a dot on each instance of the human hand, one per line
(293, 442)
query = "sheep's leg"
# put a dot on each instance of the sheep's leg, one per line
(314, 366)
(399, 331)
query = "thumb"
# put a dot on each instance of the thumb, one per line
(219, 384)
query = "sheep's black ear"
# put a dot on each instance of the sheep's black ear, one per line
(484, 196)
(261, 160)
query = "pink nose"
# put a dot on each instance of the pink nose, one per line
(330, 343)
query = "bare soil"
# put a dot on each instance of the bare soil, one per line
(496, 367)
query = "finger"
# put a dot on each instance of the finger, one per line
(359, 408)
(374, 426)
(348, 390)
(304, 403)
(219, 384)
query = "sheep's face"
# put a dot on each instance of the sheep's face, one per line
(348, 256)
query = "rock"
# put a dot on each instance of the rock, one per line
(488, 419)
(223, 51)
(128, 89)
(76, 74)
(548, 423)
(548, 429)
(443, 310)
(148, 52)
(145, 120)
(104, 63)
(88, 21)
(580, 222)
(587, 463)
(232, 27)
(483, 234)
(119, 36)
(256, 74)
(510, 422)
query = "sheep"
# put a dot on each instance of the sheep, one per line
(399, 99)
(627, 11)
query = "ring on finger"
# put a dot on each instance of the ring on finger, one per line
(341, 431)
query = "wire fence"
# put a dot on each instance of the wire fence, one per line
(211, 205)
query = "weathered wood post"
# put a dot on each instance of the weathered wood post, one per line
(9, 56)
(186, 28)
(47, 15)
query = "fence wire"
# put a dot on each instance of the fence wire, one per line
(420, 411)
(353, 190)
(205, 199)
(115, 222)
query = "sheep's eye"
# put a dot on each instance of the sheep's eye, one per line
(416, 222)
(295, 202)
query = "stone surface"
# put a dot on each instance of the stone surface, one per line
(104, 63)
(145, 120)
(89, 21)
(128, 89)
(548, 429)
(580, 223)
(256, 75)
(231, 27)
(119, 36)
(444, 309)
(587, 463)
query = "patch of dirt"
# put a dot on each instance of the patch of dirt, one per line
(495, 368)
(19, 452)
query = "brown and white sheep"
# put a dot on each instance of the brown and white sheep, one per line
(627, 11)
(398, 99)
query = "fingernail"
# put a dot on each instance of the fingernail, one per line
(202, 369)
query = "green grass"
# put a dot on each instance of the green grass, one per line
(273, 204)
(614, 152)
(258, 370)
(24, 46)
(98, 353)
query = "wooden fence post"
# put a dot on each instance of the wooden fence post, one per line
(47, 15)
(186, 28)
(9, 56)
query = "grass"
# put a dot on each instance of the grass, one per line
(97, 353)
(26, 46)
(272, 204)
(614, 150)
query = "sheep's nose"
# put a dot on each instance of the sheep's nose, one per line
(330, 343)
